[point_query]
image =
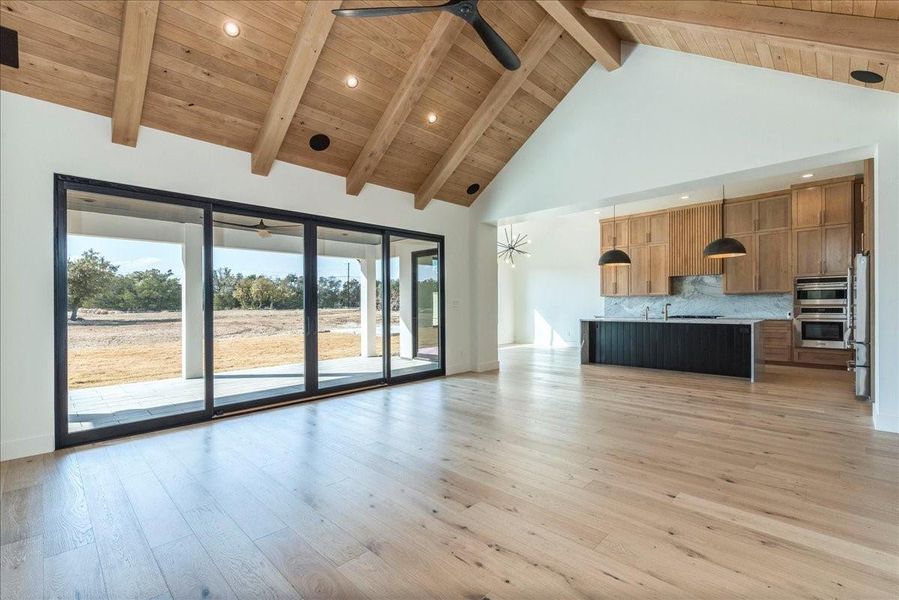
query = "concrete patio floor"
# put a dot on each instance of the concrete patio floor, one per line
(94, 407)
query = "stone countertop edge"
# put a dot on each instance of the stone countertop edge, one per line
(720, 321)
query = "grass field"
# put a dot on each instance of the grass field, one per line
(114, 348)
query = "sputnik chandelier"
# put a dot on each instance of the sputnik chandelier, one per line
(512, 246)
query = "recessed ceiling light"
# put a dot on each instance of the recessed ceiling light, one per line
(685, 197)
(432, 117)
(352, 81)
(807, 175)
(473, 189)
(595, 212)
(231, 28)
(866, 76)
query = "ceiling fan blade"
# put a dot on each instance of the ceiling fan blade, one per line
(281, 226)
(235, 224)
(387, 11)
(496, 44)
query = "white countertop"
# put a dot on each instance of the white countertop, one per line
(719, 321)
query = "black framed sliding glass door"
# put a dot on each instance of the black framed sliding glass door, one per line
(349, 330)
(173, 309)
(416, 276)
(132, 317)
(258, 297)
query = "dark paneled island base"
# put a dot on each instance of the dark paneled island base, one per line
(718, 347)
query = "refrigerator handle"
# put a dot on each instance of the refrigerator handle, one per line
(850, 305)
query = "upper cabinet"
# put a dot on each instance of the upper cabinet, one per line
(772, 213)
(613, 233)
(762, 225)
(819, 205)
(808, 207)
(822, 237)
(648, 229)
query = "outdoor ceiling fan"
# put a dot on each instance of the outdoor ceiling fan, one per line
(464, 9)
(260, 228)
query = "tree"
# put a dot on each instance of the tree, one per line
(153, 290)
(89, 276)
(224, 282)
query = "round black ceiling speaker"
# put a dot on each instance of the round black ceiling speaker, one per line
(866, 76)
(473, 189)
(319, 142)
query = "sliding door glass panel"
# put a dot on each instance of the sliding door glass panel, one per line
(258, 298)
(350, 323)
(134, 311)
(415, 283)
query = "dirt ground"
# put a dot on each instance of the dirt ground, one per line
(112, 348)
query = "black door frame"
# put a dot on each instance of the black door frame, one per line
(64, 183)
(415, 256)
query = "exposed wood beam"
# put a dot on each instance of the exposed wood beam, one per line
(135, 47)
(548, 31)
(427, 61)
(818, 31)
(596, 36)
(307, 47)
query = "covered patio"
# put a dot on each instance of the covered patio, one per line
(90, 408)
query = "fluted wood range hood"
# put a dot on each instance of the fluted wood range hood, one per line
(412, 102)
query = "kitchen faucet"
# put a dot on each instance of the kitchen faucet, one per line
(665, 310)
(646, 313)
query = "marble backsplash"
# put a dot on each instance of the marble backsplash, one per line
(702, 295)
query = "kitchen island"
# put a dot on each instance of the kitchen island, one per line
(715, 346)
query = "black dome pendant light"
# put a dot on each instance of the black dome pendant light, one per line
(614, 256)
(724, 247)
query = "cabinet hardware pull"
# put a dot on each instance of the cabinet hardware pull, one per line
(648, 286)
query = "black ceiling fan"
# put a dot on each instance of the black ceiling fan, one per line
(464, 9)
(260, 228)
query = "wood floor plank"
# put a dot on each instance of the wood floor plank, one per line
(242, 564)
(22, 569)
(21, 514)
(189, 572)
(67, 524)
(158, 517)
(129, 569)
(310, 573)
(74, 574)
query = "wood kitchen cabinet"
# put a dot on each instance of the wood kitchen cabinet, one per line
(649, 270)
(762, 225)
(822, 250)
(827, 204)
(808, 207)
(613, 233)
(739, 273)
(647, 229)
(772, 253)
(772, 213)
(614, 280)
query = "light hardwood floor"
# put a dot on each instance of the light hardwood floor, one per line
(545, 480)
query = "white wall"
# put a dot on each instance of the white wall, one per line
(38, 139)
(668, 121)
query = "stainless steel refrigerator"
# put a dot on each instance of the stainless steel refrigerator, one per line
(860, 324)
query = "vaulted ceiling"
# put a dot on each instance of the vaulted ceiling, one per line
(283, 79)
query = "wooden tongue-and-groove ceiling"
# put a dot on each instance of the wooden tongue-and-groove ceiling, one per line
(206, 85)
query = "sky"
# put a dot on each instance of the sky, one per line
(132, 255)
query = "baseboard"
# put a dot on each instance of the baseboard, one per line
(886, 423)
(484, 367)
(11, 449)
(456, 369)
